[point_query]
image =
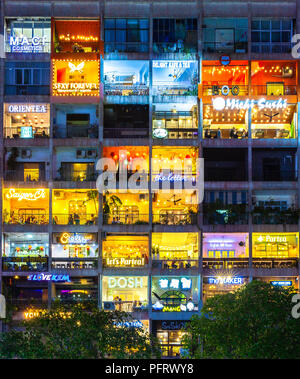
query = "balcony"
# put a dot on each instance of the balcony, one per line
(221, 214)
(262, 90)
(24, 176)
(68, 131)
(214, 90)
(28, 218)
(225, 174)
(177, 50)
(37, 132)
(269, 47)
(222, 47)
(76, 176)
(165, 217)
(279, 174)
(125, 132)
(74, 219)
(271, 216)
(125, 218)
(126, 306)
(275, 263)
(27, 90)
(210, 264)
(71, 264)
(25, 263)
(125, 90)
(126, 47)
(175, 267)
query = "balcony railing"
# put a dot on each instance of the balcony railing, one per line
(67, 131)
(225, 263)
(71, 219)
(28, 218)
(225, 216)
(126, 306)
(77, 176)
(174, 47)
(175, 218)
(126, 47)
(24, 263)
(20, 176)
(275, 175)
(124, 90)
(38, 132)
(175, 264)
(274, 217)
(74, 263)
(225, 174)
(175, 91)
(27, 90)
(214, 90)
(271, 47)
(269, 263)
(125, 132)
(260, 90)
(222, 47)
(124, 218)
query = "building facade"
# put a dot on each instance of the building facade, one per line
(138, 82)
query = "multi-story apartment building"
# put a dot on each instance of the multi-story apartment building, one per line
(154, 80)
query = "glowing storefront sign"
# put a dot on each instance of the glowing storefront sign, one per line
(188, 307)
(27, 108)
(219, 103)
(175, 283)
(125, 282)
(130, 324)
(233, 280)
(125, 262)
(281, 283)
(160, 133)
(27, 45)
(26, 132)
(173, 178)
(49, 277)
(77, 78)
(171, 64)
(269, 238)
(31, 196)
(73, 238)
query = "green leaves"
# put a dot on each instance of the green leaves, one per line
(253, 322)
(78, 333)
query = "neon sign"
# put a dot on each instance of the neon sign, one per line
(69, 238)
(173, 178)
(171, 64)
(24, 108)
(125, 282)
(160, 133)
(113, 262)
(188, 307)
(269, 238)
(31, 196)
(26, 132)
(281, 283)
(219, 103)
(175, 283)
(233, 280)
(130, 324)
(27, 45)
(49, 278)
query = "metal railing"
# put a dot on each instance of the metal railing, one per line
(24, 263)
(20, 176)
(125, 132)
(259, 90)
(125, 218)
(275, 175)
(174, 218)
(223, 174)
(225, 263)
(175, 90)
(67, 131)
(126, 306)
(75, 219)
(222, 47)
(74, 264)
(126, 90)
(214, 90)
(269, 263)
(77, 176)
(27, 89)
(275, 218)
(174, 47)
(174, 264)
(28, 218)
(271, 47)
(37, 132)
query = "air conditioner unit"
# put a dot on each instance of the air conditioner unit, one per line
(108, 305)
(91, 154)
(26, 153)
(80, 153)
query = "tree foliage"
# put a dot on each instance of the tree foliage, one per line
(75, 333)
(253, 322)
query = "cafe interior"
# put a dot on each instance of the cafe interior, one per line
(125, 251)
(26, 125)
(225, 245)
(275, 245)
(75, 207)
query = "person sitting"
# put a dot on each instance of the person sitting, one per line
(71, 221)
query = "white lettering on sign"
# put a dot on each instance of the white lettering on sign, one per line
(125, 282)
(71, 87)
(269, 238)
(27, 108)
(234, 280)
(27, 45)
(219, 103)
(32, 196)
(112, 262)
(171, 64)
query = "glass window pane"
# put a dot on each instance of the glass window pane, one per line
(144, 24)
(265, 37)
(286, 37)
(36, 76)
(286, 25)
(120, 35)
(109, 36)
(120, 23)
(27, 74)
(109, 23)
(275, 24)
(275, 36)
(132, 24)
(144, 35)
(255, 25)
(265, 24)
(133, 36)
(19, 76)
(255, 36)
